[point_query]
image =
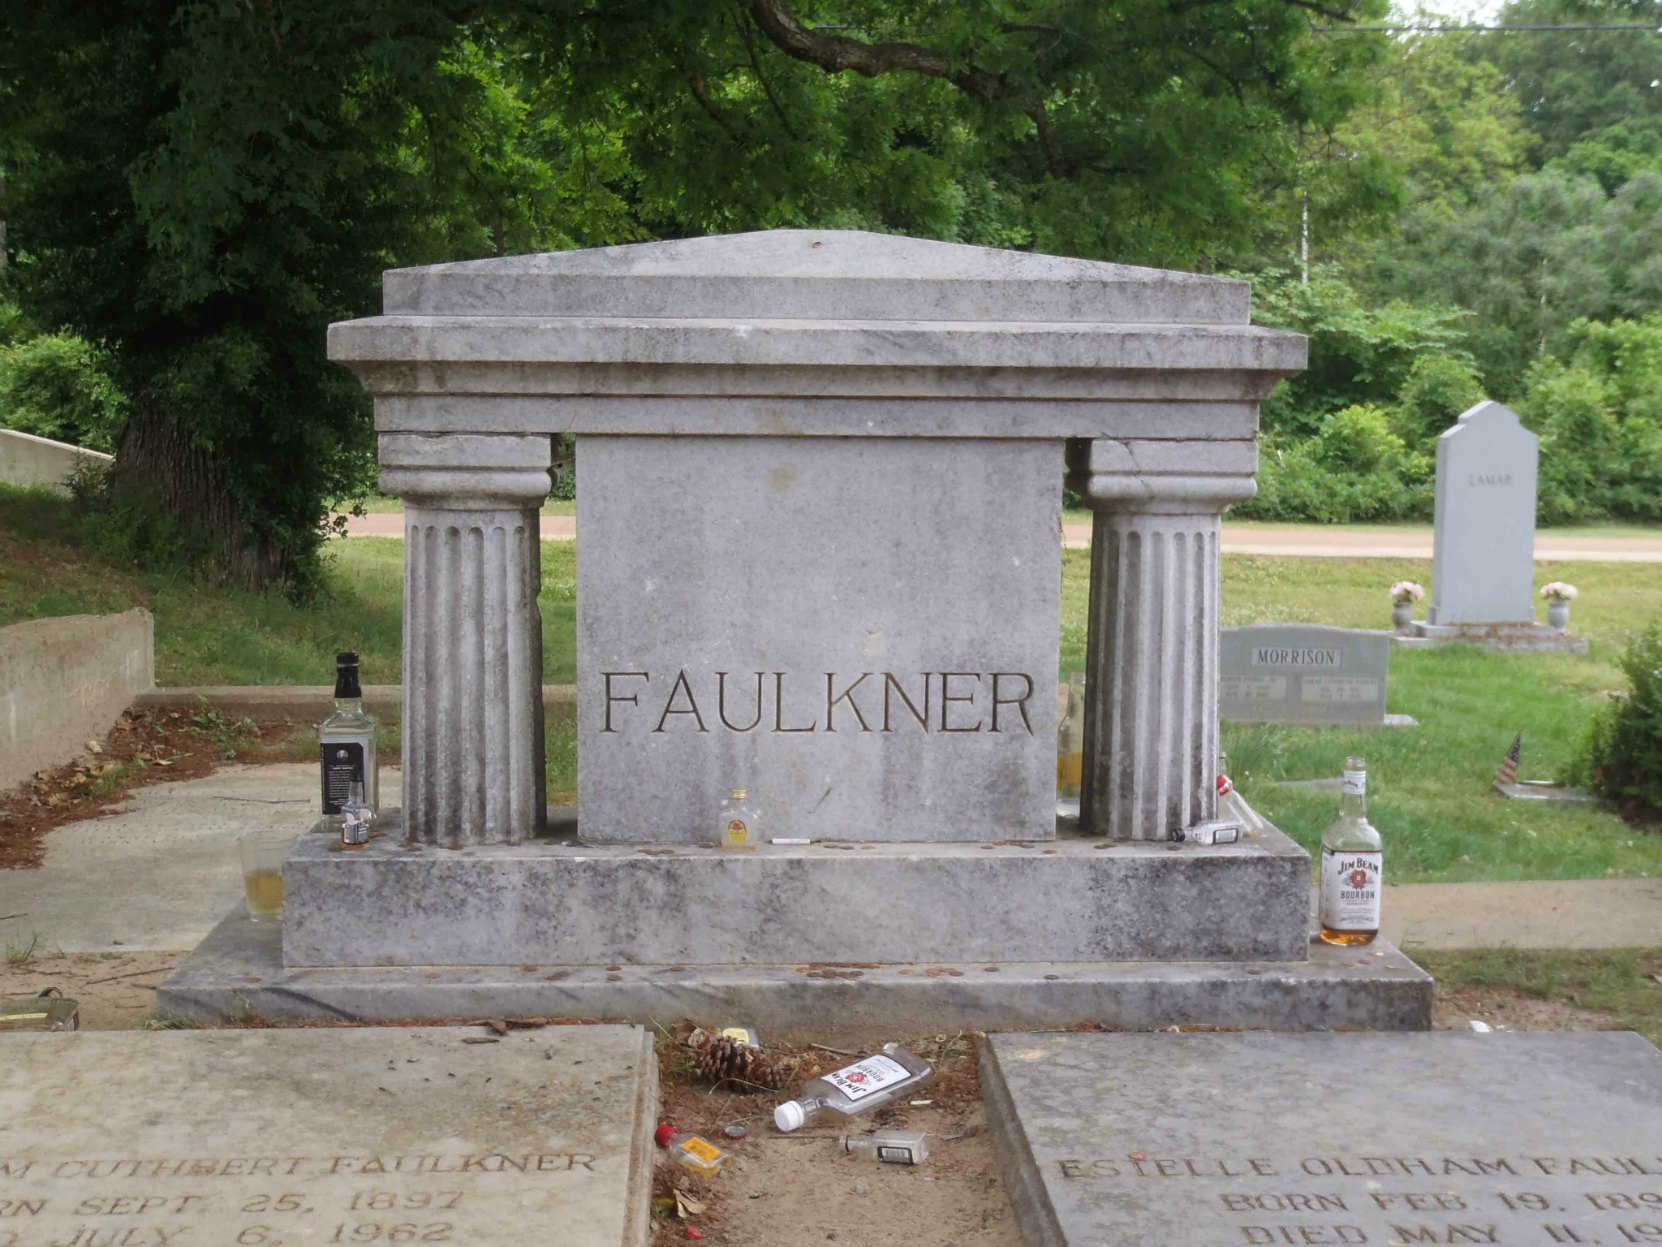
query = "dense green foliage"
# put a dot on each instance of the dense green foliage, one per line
(204, 187)
(57, 385)
(1623, 756)
(200, 188)
(1525, 265)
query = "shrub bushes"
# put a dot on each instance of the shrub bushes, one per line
(56, 386)
(1354, 470)
(1622, 757)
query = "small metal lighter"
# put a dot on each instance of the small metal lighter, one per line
(1213, 831)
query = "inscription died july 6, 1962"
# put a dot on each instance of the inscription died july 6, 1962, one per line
(1327, 1201)
(257, 1201)
(794, 702)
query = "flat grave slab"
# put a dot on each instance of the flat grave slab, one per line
(269, 1138)
(1231, 1140)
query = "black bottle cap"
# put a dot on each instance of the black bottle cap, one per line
(346, 676)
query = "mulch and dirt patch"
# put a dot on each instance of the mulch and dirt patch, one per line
(152, 745)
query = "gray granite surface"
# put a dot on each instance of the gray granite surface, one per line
(1074, 899)
(1308, 674)
(1226, 1140)
(238, 972)
(967, 369)
(1483, 558)
(272, 1138)
(861, 634)
(813, 275)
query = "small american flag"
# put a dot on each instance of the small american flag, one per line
(1508, 770)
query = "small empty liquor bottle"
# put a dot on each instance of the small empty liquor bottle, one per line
(355, 818)
(1353, 865)
(346, 745)
(738, 821)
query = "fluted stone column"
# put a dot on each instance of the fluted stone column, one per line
(1151, 709)
(473, 723)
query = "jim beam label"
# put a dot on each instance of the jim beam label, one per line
(343, 766)
(1355, 783)
(868, 1077)
(1350, 890)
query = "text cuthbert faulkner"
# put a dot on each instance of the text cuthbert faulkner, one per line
(787, 702)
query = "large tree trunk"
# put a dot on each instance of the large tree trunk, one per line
(160, 470)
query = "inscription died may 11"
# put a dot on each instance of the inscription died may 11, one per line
(1348, 1140)
(288, 1139)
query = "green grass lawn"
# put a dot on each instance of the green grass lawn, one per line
(1429, 786)
(1619, 982)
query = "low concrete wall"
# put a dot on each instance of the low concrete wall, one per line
(64, 681)
(312, 703)
(29, 460)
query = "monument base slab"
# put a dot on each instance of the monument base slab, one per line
(1500, 636)
(318, 1136)
(238, 972)
(558, 902)
(1327, 1139)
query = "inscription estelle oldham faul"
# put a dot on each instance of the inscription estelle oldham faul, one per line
(1354, 1140)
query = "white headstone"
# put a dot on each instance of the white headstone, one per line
(1484, 561)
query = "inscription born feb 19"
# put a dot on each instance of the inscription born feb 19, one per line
(1334, 1201)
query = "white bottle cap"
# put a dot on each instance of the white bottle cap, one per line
(789, 1116)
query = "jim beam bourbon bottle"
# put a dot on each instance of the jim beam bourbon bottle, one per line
(1353, 865)
(346, 745)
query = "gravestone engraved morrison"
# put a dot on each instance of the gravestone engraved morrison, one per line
(272, 1138)
(1260, 1140)
(1305, 673)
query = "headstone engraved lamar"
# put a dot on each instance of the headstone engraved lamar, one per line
(1483, 560)
(1483, 564)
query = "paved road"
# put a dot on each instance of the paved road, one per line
(1291, 540)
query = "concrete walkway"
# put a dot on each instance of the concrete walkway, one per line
(157, 875)
(1288, 540)
(160, 874)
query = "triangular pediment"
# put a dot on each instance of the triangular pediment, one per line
(837, 275)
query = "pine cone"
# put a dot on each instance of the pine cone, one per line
(725, 1059)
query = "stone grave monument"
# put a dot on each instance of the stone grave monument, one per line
(1483, 553)
(1308, 674)
(819, 558)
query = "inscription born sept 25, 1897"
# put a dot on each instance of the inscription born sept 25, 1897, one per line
(257, 1201)
(323, 1138)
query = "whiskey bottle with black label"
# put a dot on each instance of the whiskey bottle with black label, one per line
(1353, 865)
(346, 744)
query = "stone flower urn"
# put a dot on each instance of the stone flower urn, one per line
(1402, 615)
(1558, 614)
